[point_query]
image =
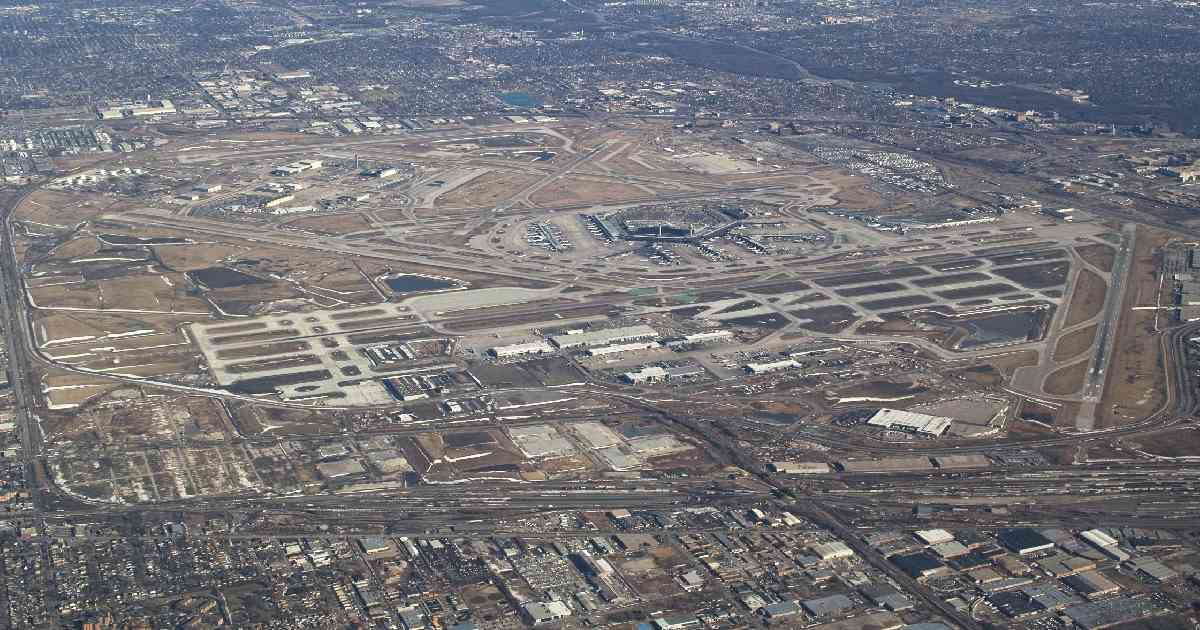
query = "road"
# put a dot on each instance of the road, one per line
(17, 340)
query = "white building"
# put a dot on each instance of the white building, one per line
(522, 349)
(604, 337)
(800, 468)
(775, 366)
(297, 167)
(934, 536)
(621, 348)
(648, 374)
(709, 336)
(835, 550)
(539, 613)
(919, 423)
(1098, 539)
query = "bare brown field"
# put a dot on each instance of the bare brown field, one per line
(1075, 343)
(572, 190)
(1009, 362)
(1088, 298)
(343, 223)
(1066, 380)
(72, 324)
(75, 296)
(52, 207)
(76, 248)
(1099, 254)
(486, 190)
(198, 256)
(1175, 443)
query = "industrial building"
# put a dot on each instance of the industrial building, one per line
(919, 423)
(1151, 570)
(341, 468)
(934, 536)
(919, 565)
(381, 173)
(886, 465)
(828, 606)
(887, 596)
(297, 167)
(1098, 538)
(604, 337)
(521, 350)
(648, 374)
(677, 622)
(1065, 214)
(538, 613)
(1185, 174)
(657, 374)
(774, 366)
(835, 550)
(1111, 612)
(1024, 541)
(799, 468)
(780, 610)
(1092, 584)
(278, 201)
(620, 348)
(711, 336)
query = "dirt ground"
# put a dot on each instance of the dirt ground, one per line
(1067, 380)
(1075, 343)
(1008, 363)
(1100, 255)
(572, 190)
(1176, 443)
(1088, 298)
(853, 192)
(331, 223)
(486, 190)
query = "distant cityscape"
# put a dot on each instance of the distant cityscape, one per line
(635, 315)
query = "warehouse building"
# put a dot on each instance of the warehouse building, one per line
(934, 536)
(295, 168)
(828, 606)
(1092, 584)
(648, 374)
(799, 468)
(604, 337)
(538, 613)
(621, 348)
(835, 550)
(780, 611)
(919, 423)
(1024, 541)
(712, 336)
(1098, 538)
(521, 350)
(774, 366)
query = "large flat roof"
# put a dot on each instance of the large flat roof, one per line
(603, 337)
(910, 421)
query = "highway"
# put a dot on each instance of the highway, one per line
(17, 340)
